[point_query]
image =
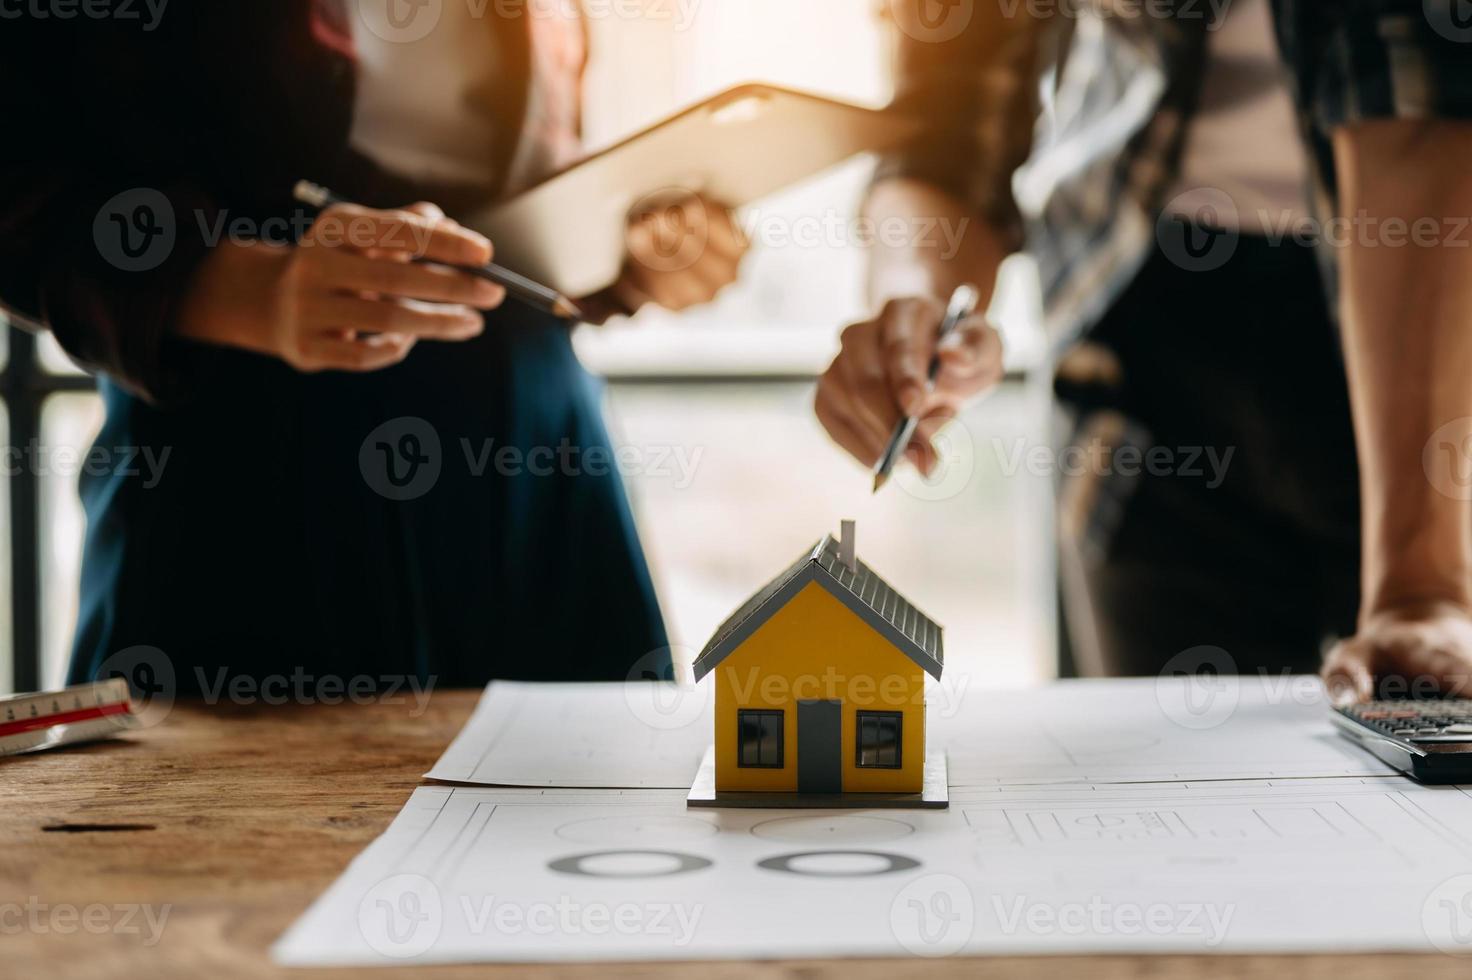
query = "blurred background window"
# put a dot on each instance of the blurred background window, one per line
(733, 477)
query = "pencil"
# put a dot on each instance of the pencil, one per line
(529, 291)
(963, 304)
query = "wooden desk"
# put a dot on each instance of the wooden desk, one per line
(241, 816)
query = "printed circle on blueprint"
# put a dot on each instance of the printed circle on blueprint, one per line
(839, 864)
(629, 864)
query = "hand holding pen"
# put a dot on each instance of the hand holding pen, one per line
(895, 367)
(350, 296)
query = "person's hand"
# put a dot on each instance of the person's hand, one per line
(349, 296)
(880, 375)
(1408, 651)
(679, 254)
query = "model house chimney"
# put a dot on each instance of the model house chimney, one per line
(846, 546)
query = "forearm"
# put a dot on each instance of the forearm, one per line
(944, 243)
(1407, 313)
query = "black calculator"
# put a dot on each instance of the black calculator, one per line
(1430, 740)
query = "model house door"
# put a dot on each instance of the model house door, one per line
(819, 741)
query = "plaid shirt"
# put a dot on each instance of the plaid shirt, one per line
(1061, 122)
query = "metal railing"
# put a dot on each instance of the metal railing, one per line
(24, 387)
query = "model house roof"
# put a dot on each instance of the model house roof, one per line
(912, 632)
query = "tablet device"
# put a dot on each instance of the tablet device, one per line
(737, 147)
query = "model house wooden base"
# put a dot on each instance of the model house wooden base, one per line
(820, 692)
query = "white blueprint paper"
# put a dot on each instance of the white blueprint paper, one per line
(505, 875)
(652, 735)
(640, 734)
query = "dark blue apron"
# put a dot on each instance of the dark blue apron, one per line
(458, 517)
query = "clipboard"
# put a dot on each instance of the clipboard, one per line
(737, 147)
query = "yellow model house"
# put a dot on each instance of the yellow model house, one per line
(820, 684)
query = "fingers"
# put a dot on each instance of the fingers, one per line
(863, 380)
(1347, 673)
(406, 317)
(831, 407)
(682, 255)
(970, 359)
(908, 330)
(421, 231)
(332, 352)
(1407, 652)
(921, 450)
(629, 295)
(346, 270)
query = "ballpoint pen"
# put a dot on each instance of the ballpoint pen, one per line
(963, 304)
(529, 291)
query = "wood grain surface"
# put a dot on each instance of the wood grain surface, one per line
(234, 818)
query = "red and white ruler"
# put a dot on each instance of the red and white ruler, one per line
(76, 714)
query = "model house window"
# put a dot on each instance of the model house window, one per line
(759, 739)
(879, 739)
